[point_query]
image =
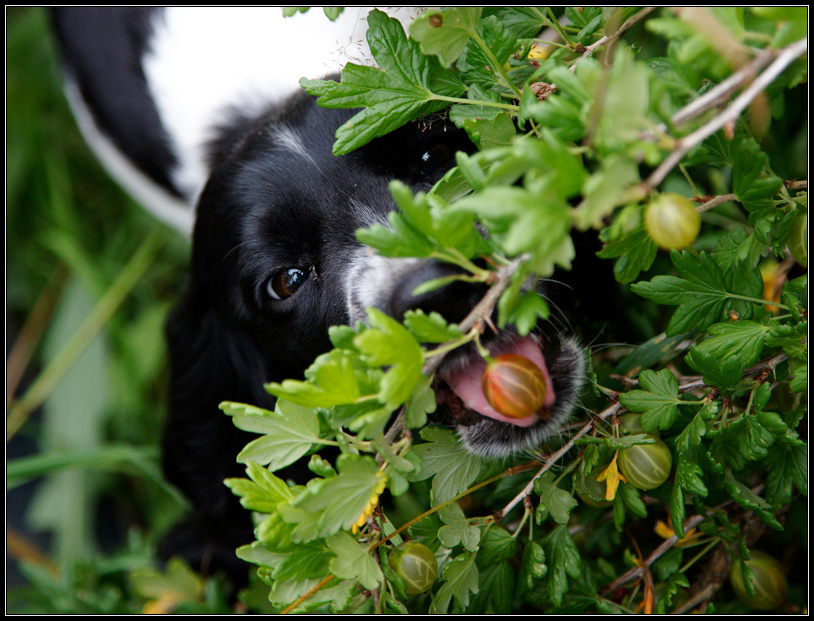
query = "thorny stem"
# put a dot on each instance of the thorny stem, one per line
(668, 543)
(784, 58)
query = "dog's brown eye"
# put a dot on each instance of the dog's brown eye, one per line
(284, 284)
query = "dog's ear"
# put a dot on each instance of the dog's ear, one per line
(212, 361)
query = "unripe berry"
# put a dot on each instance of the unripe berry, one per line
(514, 386)
(672, 221)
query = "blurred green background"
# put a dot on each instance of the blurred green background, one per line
(85, 498)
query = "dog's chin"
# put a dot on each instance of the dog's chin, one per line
(484, 431)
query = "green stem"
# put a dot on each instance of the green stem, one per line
(700, 555)
(476, 102)
(45, 383)
(495, 63)
(756, 300)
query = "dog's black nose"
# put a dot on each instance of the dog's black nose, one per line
(453, 301)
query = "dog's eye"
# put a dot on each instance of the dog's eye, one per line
(438, 155)
(284, 283)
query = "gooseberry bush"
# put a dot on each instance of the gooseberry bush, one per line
(666, 135)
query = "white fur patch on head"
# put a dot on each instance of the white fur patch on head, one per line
(370, 281)
(288, 138)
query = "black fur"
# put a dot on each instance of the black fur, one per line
(102, 48)
(266, 208)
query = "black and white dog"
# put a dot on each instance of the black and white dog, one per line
(198, 113)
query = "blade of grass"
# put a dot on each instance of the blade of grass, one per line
(127, 279)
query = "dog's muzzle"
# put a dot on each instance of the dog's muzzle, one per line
(388, 285)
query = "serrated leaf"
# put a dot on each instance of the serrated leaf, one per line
(445, 33)
(564, 561)
(289, 432)
(734, 345)
(453, 469)
(457, 528)
(554, 501)
(353, 561)
(406, 85)
(332, 382)
(388, 343)
(635, 252)
(689, 476)
(658, 401)
(262, 491)
(750, 501)
(788, 465)
(754, 189)
(431, 328)
(461, 579)
(701, 292)
(339, 501)
(497, 545)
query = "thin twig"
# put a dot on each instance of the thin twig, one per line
(555, 457)
(631, 21)
(31, 333)
(715, 201)
(685, 144)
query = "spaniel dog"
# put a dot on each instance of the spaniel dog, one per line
(198, 113)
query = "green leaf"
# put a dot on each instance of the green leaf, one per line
(406, 85)
(289, 432)
(754, 189)
(689, 476)
(496, 594)
(701, 292)
(453, 469)
(636, 252)
(521, 221)
(750, 501)
(678, 512)
(691, 436)
(332, 382)
(497, 545)
(431, 328)
(534, 562)
(339, 501)
(788, 466)
(263, 492)
(564, 562)
(388, 343)
(658, 401)
(554, 501)
(734, 346)
(461, 579)
(457, 528)
(353, 561)
(445, 33)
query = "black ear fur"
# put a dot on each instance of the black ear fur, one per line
(211, 361)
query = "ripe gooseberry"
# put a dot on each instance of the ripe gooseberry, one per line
(646, 466)
(672, 221)
(514, 386)
(415, 564)
(769, 581)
